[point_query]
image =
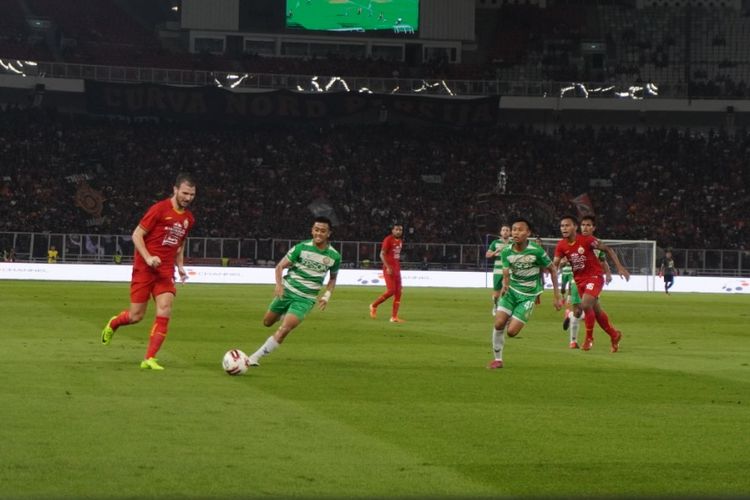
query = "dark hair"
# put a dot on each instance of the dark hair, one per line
(324, 220)
(184, 177)
(396, 223)
(571, 217)
(525, 221)
(592, 218)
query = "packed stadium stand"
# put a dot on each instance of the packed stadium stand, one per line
(685, 188)
(259, 182)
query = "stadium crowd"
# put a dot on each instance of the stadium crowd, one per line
(79, 174)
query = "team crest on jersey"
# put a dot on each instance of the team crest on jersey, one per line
(327, 261)
(185, 223)
(581, 250)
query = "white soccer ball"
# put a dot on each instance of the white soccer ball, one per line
(235, 362)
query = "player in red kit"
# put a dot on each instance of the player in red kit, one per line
(390, 254)
(159, 241)
(578, 249)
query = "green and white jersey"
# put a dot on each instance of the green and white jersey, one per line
(524, 268)
(309, 267)
(566, 271)
(494, 245)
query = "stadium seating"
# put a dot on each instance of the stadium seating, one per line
(684, 190)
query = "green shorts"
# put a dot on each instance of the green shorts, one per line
(497, 282)
(290, 303)
(517, 306)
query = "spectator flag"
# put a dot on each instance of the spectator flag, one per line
(583, 205)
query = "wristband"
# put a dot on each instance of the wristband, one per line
(326, 296)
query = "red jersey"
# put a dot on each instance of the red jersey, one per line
(392, 251)
(166, 230)
(580, 254)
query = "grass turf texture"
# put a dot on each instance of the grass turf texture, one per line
(354, 407)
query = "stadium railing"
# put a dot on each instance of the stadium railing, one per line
(106, 249)
(455, 87)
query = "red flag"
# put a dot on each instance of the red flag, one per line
(583, 205)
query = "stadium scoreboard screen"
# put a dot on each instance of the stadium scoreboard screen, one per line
(400, 17)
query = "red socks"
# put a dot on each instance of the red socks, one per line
(122, 319)
(382, 298)
(589, 320)
(158, 334)
(603, 320)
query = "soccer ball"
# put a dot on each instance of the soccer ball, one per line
(235, 362)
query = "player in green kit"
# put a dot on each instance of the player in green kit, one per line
(493, 252)
(307, 262)
(523, 262)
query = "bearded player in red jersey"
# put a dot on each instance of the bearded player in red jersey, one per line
(587, 273)
(159, 241)
(390, 254)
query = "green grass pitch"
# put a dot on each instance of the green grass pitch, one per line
(352, 14)
(351, 407)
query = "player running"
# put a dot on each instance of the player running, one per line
(296, 293)
(159, 241)
(522, 265)
(587, 272)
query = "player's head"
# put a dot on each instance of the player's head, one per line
(505, 231)
(568, 226)
(520, 230)
(668, 254)
(321, 230)
(397, 230)
(184, 190)
(588, 225)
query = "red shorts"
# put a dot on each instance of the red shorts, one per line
(590, 285)
(147, 282)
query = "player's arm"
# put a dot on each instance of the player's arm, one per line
(385, 261)
(139, 242)
(179, 260)
(506, 281)
(326, 296)
(490, 253)
(612, 255)
(555, 286)
(284, 263)
(607, 272)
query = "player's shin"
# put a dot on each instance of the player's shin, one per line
(498, 341)
(157, 336)
(267, 348)
(575, 325)
(603, 320)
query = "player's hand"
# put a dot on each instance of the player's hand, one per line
(558, 303)
(625, 274)
(183, 274)
(388, 271)
(278, 291)
(608, 279)
(153, 261)
(323, 300)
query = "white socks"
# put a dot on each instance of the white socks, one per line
(498, 342)
(268, 346)
(575, 324)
